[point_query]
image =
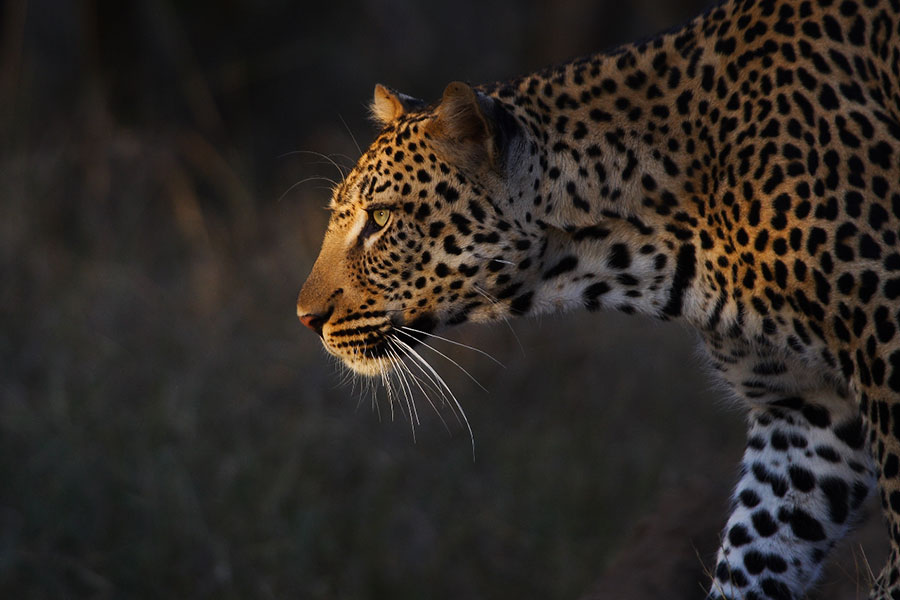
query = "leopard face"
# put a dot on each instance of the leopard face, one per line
(424, 230)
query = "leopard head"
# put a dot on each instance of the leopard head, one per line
(431, 228)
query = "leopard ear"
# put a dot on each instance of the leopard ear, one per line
(388, 105)
(472, 127)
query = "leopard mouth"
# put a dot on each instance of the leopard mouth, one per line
(373, 344)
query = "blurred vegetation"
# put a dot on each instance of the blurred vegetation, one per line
(167, 429)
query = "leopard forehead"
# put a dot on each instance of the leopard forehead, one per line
(392, 170)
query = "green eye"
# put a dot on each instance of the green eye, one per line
(380, 216)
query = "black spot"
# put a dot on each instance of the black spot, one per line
(460, 316)
(467, 270)
(683, 102)
(422, 212)
(564, 101)
(600, 115)
(476, 210)
(816, 415)
(763, 522)
(868, 286)
(580, 131)
(775, 563)
(845, 284)
(749, 498)
(880, 154)
(725, 573)
(738, 535)
(685, 271)
(763, 475)
(423, 323)
(450, 245)
(836, 492)
(802, 479)
(770, 368)
(565, 265)
(860, 493)
(754, 562)
(726, 45)
(449, 193)
(895, 502)
(521, 304)
(435, 229)
(462, 223)
(877, 216)
(892, 288)
(817, 237)
(594, 232)
(852, 433)
(777, 590)
(509, 291)
(619, 256)
(828, 453)
(706, 82)
(803, 525)
(891, 467)
(884, 327)
(592, 292)
(827, 97)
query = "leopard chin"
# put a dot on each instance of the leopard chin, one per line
(375, 349)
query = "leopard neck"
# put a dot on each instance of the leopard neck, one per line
(621, 190)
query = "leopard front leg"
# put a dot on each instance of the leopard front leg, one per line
(804, 476)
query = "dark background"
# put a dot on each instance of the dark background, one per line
(167, 427)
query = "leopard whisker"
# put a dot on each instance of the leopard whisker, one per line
(435, 388)
(345, 374)
(445, 401)
(402, 367)
(352, 137)
(320, 155)
(345, 157)
(454, 342)
(401, 364)
(373, 392)
(505, 319)
(433, 349)
(499, 260)
(386, 383)
(302, 181)
(411, 408)
(407, 392)
(410, 351)
(369, 387)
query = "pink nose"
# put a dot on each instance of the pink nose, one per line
(314, 322)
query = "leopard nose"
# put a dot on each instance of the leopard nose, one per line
(314, 321)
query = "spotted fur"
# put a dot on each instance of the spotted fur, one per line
(740, 173)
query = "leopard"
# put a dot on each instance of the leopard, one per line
(739, 173)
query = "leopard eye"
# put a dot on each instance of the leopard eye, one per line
(380, 216)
